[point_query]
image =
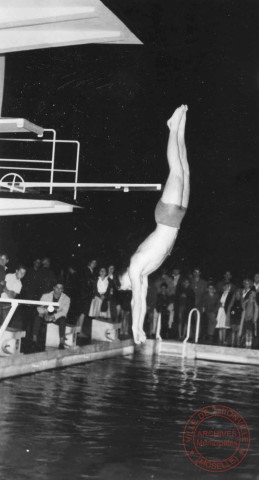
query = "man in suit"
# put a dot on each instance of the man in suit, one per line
(58, 316)
(227, 278)
(199, 287)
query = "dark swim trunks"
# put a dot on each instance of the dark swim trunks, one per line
(169, 214)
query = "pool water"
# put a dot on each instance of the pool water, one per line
(120, 418)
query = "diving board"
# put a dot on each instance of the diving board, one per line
(19, 125)
(57, 23)
(28, 206)
(16, 174)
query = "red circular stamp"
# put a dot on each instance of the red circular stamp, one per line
(216, 438)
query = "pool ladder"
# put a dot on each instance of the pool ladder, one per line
(197, 331)
(178, 347)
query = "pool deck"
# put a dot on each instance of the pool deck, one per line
(197, 351)
(52, 358)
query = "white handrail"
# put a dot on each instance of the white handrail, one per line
(189, 328)
(29, 302)
(158, 327)
(14, 304)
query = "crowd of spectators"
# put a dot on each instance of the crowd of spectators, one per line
(82, 294)
(228, 309)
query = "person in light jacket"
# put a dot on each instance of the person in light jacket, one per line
(58, 315)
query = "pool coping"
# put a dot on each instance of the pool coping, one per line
(52, 358)
(198, 351)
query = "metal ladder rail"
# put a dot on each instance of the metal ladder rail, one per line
(189, 329)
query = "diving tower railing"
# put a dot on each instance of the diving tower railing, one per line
(49, 163)
(14, 304)
(13, 182)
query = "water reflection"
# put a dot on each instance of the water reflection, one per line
(121, 418)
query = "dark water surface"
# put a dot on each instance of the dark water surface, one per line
(120, 418)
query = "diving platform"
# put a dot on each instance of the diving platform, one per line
(38, 24)
(55, 166)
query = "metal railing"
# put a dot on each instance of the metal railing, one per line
(14, 304)
(50, 163)
(197, 330)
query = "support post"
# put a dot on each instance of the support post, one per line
(8, 317)
(2, 77)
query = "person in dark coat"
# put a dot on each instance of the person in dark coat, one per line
(209, 306)
(185, 301)
(162, 303)
(86, 296)
(72, 289)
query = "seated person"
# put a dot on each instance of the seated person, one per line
(58, 316)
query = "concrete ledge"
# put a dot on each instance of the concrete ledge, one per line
(213, 353)
(53, 358)
(150, 347)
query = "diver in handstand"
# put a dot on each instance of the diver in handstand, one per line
(169, 213)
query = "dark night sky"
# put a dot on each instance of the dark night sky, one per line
(115, 99)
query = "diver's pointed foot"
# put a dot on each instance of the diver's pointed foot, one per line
(174, 121)
(142, 336)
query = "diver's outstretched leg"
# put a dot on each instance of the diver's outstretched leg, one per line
(173, 124)
(144, 288)
(184, 161)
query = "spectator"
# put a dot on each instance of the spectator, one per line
(163, 302)
(58, 316)
(72, 289)
(149, 323)
(113, 293)
(223, 322)
(125, 302)
(87, 294)
(3, 262)
(235, 311)
(199, 287)
(164, 277)
(256, 282)
(13, 287)
(247, 287)
(227, 278)
(210, 306)
(100, 305)
(32, 284)
(249, 319)
(31, 290)
(13, 284)
(185, 302)
(177, 279)
(47, 276)
(177, 283)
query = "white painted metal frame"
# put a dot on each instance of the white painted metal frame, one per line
(197, 331)
(52, 168)
(14, 304)
(16, 185)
